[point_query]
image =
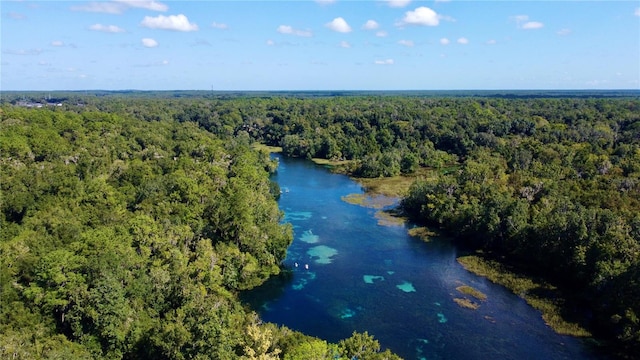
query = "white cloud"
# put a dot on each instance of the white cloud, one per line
(119, 6)
(384, 62)
(148, 42)
(522, 21)
(220, 26)
(420, 16)
(101, 7)
(564, 32)
(463, 41)
(171, 22)
(530, 25)
(326, 2)
(444, 41)
(382, 33)
(370, 25)
(339, 24)
(398, 3)
(57, 43)
(345, 44)
(637, 12)
(144, 4)
(286, 29)
(491, 42)
(106, 28)
(270, 42)
(407, 43)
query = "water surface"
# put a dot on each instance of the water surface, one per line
(349, 273)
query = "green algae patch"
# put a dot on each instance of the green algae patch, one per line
(423, 233)
(386, 218)
(468, 290)
(395, 186)
(466, 303)
(369, 201)
(333, 164)
(542, 296)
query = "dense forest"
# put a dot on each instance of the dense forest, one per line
(125, 238)
(129, 222)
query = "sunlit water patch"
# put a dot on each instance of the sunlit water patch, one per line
(370, 279)
(297, 215)
(322, 254)
(309, 237)
(406, 287)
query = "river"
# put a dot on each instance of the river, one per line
(350, 273)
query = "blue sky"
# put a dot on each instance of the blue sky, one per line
(319, 45)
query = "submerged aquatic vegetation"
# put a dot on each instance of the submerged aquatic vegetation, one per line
(466, 303)
(468, 290)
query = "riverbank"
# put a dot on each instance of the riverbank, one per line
(540, 295)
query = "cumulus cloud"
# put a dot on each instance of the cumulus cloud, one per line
(564, 32)
(220, 26)
(171, 22)
(407, 43)
(286, 29)
(339, 24)
(491, 42)
(398, 3)
(325, 2)
(370, 25)
(522, 21)
(345, 44)
(530, 25)
(270, 42)
(463, 41)
(420, 16)
(444, 41)
(384, 62)
(149, 43)
(637, 12)
(106, 28)
(382, 33)
(57, 43)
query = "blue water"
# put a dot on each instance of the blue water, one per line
(349, 273)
